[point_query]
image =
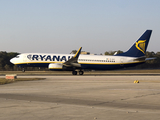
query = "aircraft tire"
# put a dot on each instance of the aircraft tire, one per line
(81, 72)
(74, 72)
(23, 70)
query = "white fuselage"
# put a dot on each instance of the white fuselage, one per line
(100, 62)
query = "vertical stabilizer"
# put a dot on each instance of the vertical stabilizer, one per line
(139, 47)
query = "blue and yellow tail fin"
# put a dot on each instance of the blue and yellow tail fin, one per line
(139, 47)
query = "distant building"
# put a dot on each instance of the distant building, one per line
(85, 53)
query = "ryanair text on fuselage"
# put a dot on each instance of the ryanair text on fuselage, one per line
(49, 57)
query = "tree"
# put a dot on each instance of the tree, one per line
(73, 52)
(5, 63)
(7, 67)
(5, 60)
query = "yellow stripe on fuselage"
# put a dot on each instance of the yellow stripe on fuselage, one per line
(83, 63)
(112, 63)
(36, 62)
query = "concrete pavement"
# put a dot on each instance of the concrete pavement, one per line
(82, 98)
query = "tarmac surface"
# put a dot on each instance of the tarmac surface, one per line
(81, 98)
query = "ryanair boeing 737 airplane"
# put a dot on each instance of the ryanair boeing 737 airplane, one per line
(68, 62)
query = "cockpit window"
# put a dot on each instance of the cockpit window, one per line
(17, 56)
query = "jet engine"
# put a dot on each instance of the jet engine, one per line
(59, 67)
(55, 66)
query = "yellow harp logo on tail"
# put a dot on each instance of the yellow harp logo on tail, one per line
(140, 45)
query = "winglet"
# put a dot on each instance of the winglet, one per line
(74, 59)
(77, 53)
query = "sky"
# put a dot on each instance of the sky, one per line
(60, 26)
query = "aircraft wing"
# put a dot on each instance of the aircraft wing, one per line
(73, 62)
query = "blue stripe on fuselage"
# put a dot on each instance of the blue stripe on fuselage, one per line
(108, 66)
(34, 65)
(87, 66)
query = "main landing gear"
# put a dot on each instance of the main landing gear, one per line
(75, 72)
(81, 72)
(23, 69)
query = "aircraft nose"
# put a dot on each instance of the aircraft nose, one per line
(12, 60)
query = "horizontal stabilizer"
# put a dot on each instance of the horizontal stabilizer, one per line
(150, 58)
(140, 58)
(143, 59)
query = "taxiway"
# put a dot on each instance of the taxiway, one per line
(82, 98)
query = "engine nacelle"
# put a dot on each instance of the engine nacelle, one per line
(55, 66)
(59, 67)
